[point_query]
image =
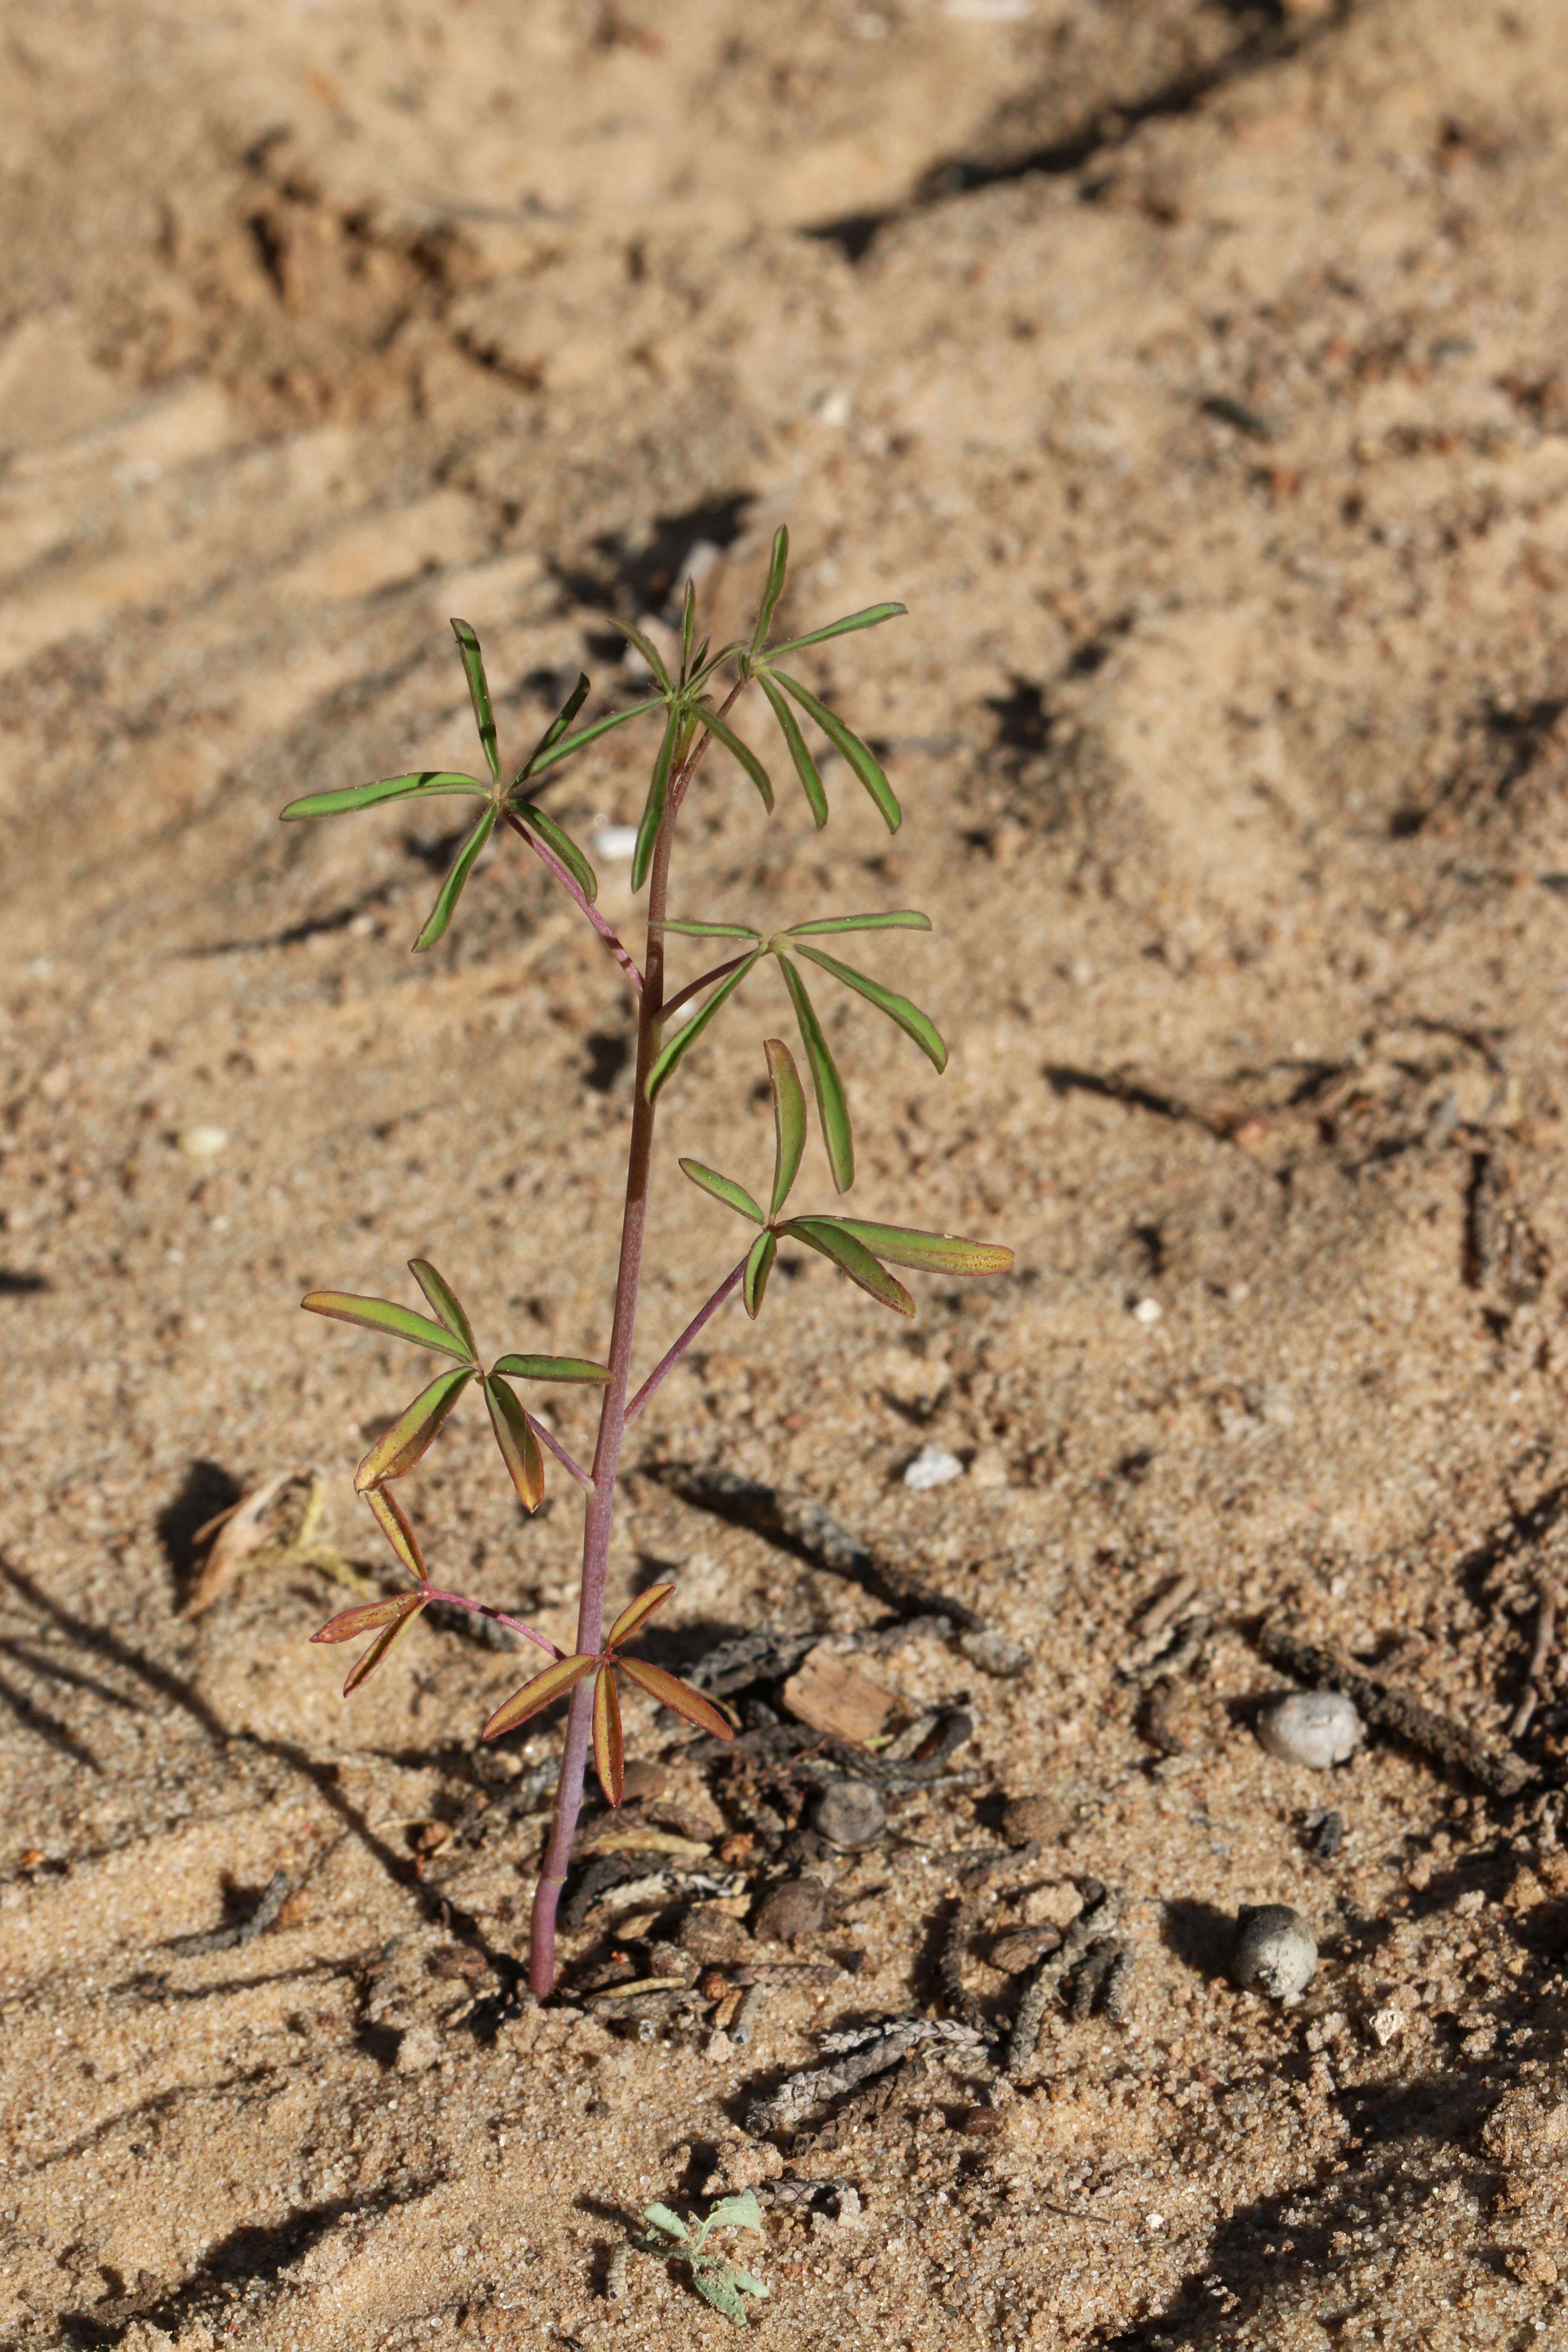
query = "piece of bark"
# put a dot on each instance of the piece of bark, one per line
(832, 1693)
(1387, 1708)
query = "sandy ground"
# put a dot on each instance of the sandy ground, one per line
(1199, 378)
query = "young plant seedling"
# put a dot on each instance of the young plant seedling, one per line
(719, 2281)
(693, 718)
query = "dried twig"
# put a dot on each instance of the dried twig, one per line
(868, 2050)
(224, 1939)
(1092, 1923)
(1550, 1603)
(1392, 1709)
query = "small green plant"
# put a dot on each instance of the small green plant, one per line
(693, 719)
(719, 2281)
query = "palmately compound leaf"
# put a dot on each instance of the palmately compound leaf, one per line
(553, 1368)
(554, 732)
(670, 1055)
(678, 1696)
(722, 1188)
(637, 1613)
(413, 1430)
(431, 783)
(850, 747)
(852, 1258)
(560, 845)
(909, 1017)
(901, 918)
(445, 1300)
(478, 692)
(609, 1747)
(382, 1314)
(741, 751)
(758, 1265)
(451, 890)
(379, 1650)
(795, 743)
(653, 807)
(778, 564)
(540, 1692)
(519, 1446)
(392, 1520)
(928, 1253)
(832, 1110)
(789, 1121)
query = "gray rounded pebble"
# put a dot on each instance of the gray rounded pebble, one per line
(849, 1813)
(1276, 1950)
(1315, 1728)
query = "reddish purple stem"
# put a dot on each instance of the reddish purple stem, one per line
(574, 891)
(669, 1362)
(572, 1468)
(483, 1608)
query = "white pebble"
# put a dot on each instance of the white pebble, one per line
(612, 840)
(932, 1468)
(1147, 1310)
(204, 1142)
(1276, 1950)
(1387, 2025)
(1315, 1728)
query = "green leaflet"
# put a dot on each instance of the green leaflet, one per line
(688, 628)
(660, 2218)
(778, 563)
(444, 1300)
(789, 1121)
(794, 742)
(363, 1668)
(561, 845)
(712, 931)
(609, 1745)
(382, 1315)
(853, 1258)
(519, 1446)
(758, 1265)
(832, 1111)
(678, 1696)
(554, 732)
(552, 1368)
(567, 744)
(429, 783)
(478, 692)
(637, 1613)
(671, 1054)
(645, 646)
(653, 807)
(413, 1430)
(930, 1253)
(722, 1188)
(441, 913)
(741, 2212)
(909, 1017)
(903, 918)
(850, 748)
(869, 618)
(744, 753)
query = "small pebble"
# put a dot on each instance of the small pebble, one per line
(993, 1654)
(849, 1813)
(203, 1143)
(932, 1468)
(796, 1908)
(1315, 1728)
(1147, 1310)
(1276, 1950)
(612, 840)
(1033, 1821)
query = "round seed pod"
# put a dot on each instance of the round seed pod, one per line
(1276, 1951)
(1315, 1728)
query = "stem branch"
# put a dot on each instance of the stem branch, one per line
(668, 1363)
(574, 891)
